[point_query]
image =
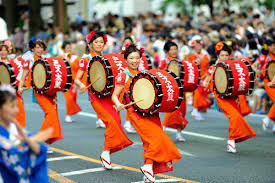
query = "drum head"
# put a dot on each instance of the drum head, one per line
(271, 71)
(39, 76)
(144, 90)
(173, 67)
(97, 73)
(220, 80)
(4, 75)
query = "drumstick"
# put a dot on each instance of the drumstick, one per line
(132, 103)
(92, 83)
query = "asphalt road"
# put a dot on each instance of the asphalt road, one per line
(76, 157)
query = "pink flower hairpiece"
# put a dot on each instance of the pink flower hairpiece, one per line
(9, 88)
(7, 43)
(126, 46)
(90, 36)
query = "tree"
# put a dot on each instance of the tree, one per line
(60, 15)
(35, 17)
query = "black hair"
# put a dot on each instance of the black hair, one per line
(132, 48)
(6, 95)
(128, 37)
(97, 35)
(224, 48)
(168, 45)
(65, 43)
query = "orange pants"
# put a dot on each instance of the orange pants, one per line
(49, 106)
(200, 99)
(243, 104)
(71, 101)
(158, 147)
(271, 94)
(176, 119)
(239, 129)
(115, 137)
(21, 118)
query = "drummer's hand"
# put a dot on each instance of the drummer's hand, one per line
(20, 90)
(120, 107)
(83, 89)
(271, 84)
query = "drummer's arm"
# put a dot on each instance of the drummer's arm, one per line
(271, 84)
(255, 66)
(22, 81)
(78, 78)
(117, 91)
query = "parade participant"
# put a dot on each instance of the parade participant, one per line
(71, 95)
(47, 103)
(200, 98)
(262, 64)
(95, 47)
(115, 137)
(236, 55)
(239, 129)
(159, 150)
(21, 118)
(23, 158)
(127, 125)
(174, 119)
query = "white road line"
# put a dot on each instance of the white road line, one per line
(87, 114)
(197, 134)
(168, 129)
(185, 153)
(86, 171)
(161, 180)
(62, 158)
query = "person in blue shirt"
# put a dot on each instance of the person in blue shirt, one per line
(22, 157)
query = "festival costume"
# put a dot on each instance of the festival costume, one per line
(115, 137)
(18, 163)
(159, 150)
(18, 62)
(239, 129)
(175, 119)
(48, 104)
(71, 95)
(200, 98)
(264, 60)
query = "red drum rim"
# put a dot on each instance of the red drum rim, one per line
(10, 70)
(158, 93)
(268, 74)
(182, 72)
(48, 72)
(109, 76)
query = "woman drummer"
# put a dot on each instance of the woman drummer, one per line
(158, 147)
(47, 103)
(71, 95)
(115, 137)
(21, 118)
(174, 119)
(239, 129)
(262, 63)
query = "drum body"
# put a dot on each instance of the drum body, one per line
(10, 72)
(270, 70)
(188, 72)
(156, 91)
(145, 62)
(102, 72)
(51, 75)
(233, 78)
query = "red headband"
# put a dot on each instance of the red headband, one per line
(90, 36)
(126, 46)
